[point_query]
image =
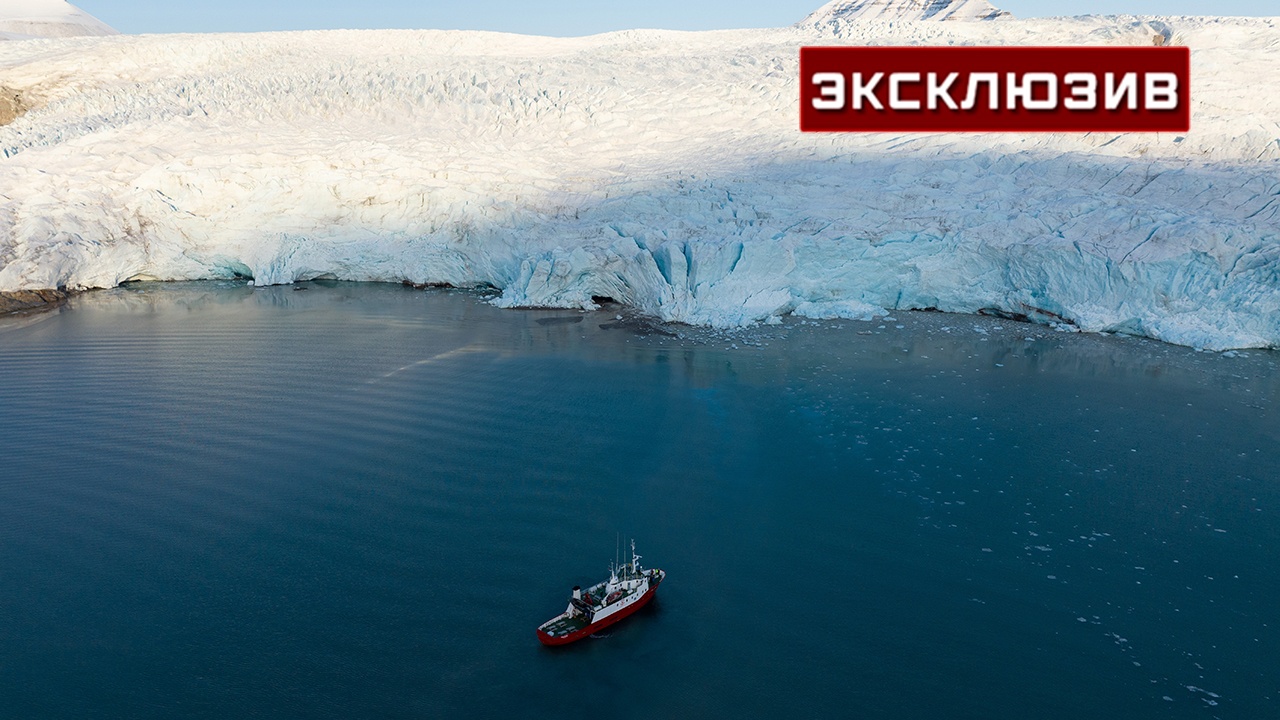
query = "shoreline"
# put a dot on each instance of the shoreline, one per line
(22, 300)
(19, 301)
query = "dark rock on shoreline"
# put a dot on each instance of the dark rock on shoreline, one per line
(30, 299)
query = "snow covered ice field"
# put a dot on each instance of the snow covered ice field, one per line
(662, 169)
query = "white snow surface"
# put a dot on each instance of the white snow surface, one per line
(23, 19)
(662, 169)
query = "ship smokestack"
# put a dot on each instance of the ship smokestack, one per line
(577, 593)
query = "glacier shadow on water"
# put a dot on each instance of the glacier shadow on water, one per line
(360, 499)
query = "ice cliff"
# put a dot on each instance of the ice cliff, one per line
(662, 169)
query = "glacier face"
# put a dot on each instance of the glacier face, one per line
(663, 169)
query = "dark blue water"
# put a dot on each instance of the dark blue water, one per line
(360, 500)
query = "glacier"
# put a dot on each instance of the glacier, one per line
(662, 169)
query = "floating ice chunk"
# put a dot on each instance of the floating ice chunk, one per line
(833, 309)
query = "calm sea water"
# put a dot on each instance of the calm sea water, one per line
(360, 500)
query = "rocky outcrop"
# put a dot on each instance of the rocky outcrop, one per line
(30, 299)
(11, 105)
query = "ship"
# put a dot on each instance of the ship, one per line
(629, 588)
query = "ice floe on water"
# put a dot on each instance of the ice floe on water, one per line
(663, 170)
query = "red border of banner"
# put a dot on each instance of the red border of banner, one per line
(1001, 59)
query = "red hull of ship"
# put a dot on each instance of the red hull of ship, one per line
(596, 626)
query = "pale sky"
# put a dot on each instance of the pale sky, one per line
(559, 17)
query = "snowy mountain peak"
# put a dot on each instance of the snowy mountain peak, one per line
(846, 10)
(47, 18)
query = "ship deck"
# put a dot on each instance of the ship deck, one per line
(566, 624)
